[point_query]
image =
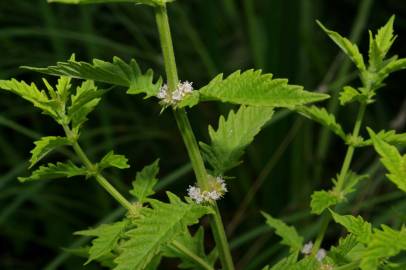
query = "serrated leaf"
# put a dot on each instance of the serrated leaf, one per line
(63, 88)
(392, 66)
(256, 89)
(44, 146)
(385, 38)
(321, 116)
(83, 102)
(349, 94)
(113, 160)
(350, 49)
(380, 45)
(389, 136)
(145, 181)
(286, 263)
(31, 93)
(384, 243)
(83, 252)
(146, 2)
(355, 225)
(53, 171)
(80, 117)
(107, 237)
(307, 263)
(289, 235)
(155, 229)
(352, 179)
(233, 135)
(374, 54)
(322, 200)
(392, 160)
(195, 245)
(341, 254)
(117, 72)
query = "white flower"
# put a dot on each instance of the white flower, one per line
(217, 190)
(307, 248)
(163, 92)
(195, 194)
(321, 254)
(185, 87)
(172, 98)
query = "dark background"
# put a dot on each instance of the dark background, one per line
(280, 170)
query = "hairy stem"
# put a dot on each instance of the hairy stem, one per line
(97, 175)
(342, 176)
(191, 255)
(188, 135)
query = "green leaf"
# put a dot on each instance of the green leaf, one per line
(31, 93)
(374, 54)
(342, 253)
(63, 88)
(44, 146)
(389, 136)
(233, 135)
(321, 116)
(117, 72)
(145, 181)
(256, 89)
(155, 229)
(289, 235)
(307, 263)
(107, 237)
(147, 2)
(322, 200)
(392, 160)
(384, 243)
(349, 95)
(195, 245)
(53, 171)
(385, 38)
(350, 49)
(83, 252)
(352, 179)
(83, 102)
(355, 225)
(113, 160)
(286, 263)
(392, 66)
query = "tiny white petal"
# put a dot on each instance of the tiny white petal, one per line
(163, 92)
(321, 254)
(307, 248)
(177, 95)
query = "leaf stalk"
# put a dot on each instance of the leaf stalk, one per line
(97, 175)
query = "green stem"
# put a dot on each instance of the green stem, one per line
(342, 176)
(191, 255)
(192, 147)
(188, 135)
(97, 175)
(351, 148)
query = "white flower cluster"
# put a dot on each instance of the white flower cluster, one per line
(217, 190)
(307, 250)
(176, 96)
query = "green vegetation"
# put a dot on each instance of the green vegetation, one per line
(212, 213)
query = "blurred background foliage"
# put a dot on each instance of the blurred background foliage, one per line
(289, 159)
